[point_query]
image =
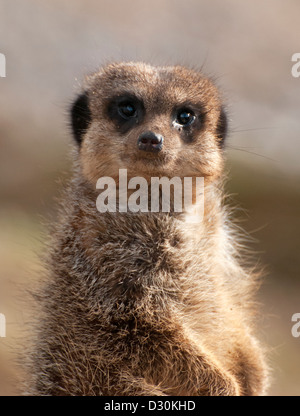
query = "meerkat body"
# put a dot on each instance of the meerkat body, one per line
(146, 303)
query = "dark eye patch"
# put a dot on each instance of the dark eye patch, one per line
(125, 111)
(188, 119)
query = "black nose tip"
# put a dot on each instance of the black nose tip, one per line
(150, 142)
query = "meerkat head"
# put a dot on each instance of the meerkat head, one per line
(152, 121)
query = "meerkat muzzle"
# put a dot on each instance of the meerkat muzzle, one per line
(150, 142)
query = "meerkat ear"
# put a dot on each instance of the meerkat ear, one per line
(222, 127)
(80, 116)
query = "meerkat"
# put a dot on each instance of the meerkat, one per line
(146, 303)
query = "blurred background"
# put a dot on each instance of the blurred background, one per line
(246, 46)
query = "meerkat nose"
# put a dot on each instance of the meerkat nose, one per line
(150, 142)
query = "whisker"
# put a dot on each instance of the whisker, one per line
(240, 149)
(254, 129)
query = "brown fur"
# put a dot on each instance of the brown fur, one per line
(146, 304)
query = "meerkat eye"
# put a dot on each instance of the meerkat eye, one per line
(127, 110)
(185, 117)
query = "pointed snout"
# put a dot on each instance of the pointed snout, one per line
(150, 142)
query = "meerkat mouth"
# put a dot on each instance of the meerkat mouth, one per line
(152, 159)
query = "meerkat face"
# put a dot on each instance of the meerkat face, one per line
(152, 121)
